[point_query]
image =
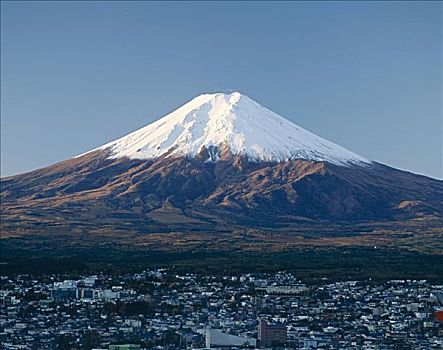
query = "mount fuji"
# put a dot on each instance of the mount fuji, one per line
(218, 162)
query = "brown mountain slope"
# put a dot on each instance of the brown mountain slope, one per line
(92, 192)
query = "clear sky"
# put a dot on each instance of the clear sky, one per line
(75, 75)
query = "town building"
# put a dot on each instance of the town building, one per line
(271, 334)
(216, 339)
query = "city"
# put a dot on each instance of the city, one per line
(165, 309)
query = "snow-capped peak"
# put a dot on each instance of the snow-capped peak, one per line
(230, 119)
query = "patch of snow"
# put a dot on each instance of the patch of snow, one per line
(233, 120)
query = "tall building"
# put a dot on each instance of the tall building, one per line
(271, 334)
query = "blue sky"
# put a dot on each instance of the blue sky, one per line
(366, 75)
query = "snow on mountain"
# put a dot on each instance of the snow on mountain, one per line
(234, 120)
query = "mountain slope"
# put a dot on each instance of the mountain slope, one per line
(95, 191)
